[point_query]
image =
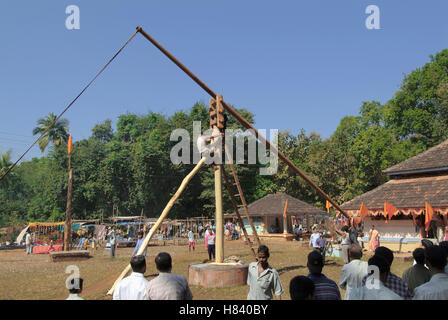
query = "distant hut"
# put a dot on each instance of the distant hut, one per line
(267, 215)
(422, 178)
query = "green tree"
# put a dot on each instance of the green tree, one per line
(419, 110)
(57, 134)
(103, 131)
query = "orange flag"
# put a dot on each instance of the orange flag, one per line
(70, 145)
(284, 211)
(429, 212)
(363, 211)
(389, 210)
(328, 205)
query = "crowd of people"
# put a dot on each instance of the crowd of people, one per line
(426, 279)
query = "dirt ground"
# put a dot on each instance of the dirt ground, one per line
(36, 277)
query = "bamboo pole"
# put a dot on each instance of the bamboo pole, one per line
(159, 220)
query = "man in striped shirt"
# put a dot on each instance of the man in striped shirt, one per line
(393, 282)
(325, 289)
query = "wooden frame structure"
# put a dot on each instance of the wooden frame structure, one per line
(219, 106)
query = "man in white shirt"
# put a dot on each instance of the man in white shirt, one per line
(75, 288)
(134, 286)
(376, 290)
(28, 243)
(437, 287)
(191, 242)
(202, 142)
(313, 239)
(167, 286)
(112, 240)
(353, 272)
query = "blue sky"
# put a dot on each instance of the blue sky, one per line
(295, 64)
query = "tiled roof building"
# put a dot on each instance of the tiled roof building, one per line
(422, 178)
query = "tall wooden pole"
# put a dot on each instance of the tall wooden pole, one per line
(215, 106)
(68, 212)
(219, 218)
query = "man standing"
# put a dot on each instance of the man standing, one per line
(325, 289)
(345, 243)
(29, 247)
(314, 238)
(75, 289)
(321, 242)
(210, 243)
(134, 286)
(437, 287)
(377, 290)
(191, 243)
(168, 286)
(139, 244)
(418, 274)
(392, 282)
(200, 230)
(112, 241)
(438, 227)
(353, 272)
(263, 280)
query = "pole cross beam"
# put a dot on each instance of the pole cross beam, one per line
(241, 119)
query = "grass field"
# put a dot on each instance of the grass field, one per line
(36, 277)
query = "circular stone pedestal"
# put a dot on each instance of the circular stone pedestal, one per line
(210, 275)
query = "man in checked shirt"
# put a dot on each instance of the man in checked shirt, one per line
(393, 282)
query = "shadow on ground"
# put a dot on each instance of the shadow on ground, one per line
(290, 268)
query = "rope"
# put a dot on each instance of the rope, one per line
(70, 104)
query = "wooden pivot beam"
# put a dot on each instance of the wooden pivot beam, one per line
(240, 220)
(242, 120)
(159, 221)
(216, 111)
(241, 195)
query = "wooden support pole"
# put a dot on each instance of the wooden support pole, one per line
(219, 243)
(160, 220)
(68, 212)
(219, 218)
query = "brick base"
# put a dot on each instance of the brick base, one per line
(209, 275)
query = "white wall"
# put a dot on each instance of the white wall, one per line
(403, 228)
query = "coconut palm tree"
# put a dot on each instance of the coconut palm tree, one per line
(5, 163)
(57, 134)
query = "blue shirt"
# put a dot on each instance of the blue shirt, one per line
(139, 243)
(321, 242)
